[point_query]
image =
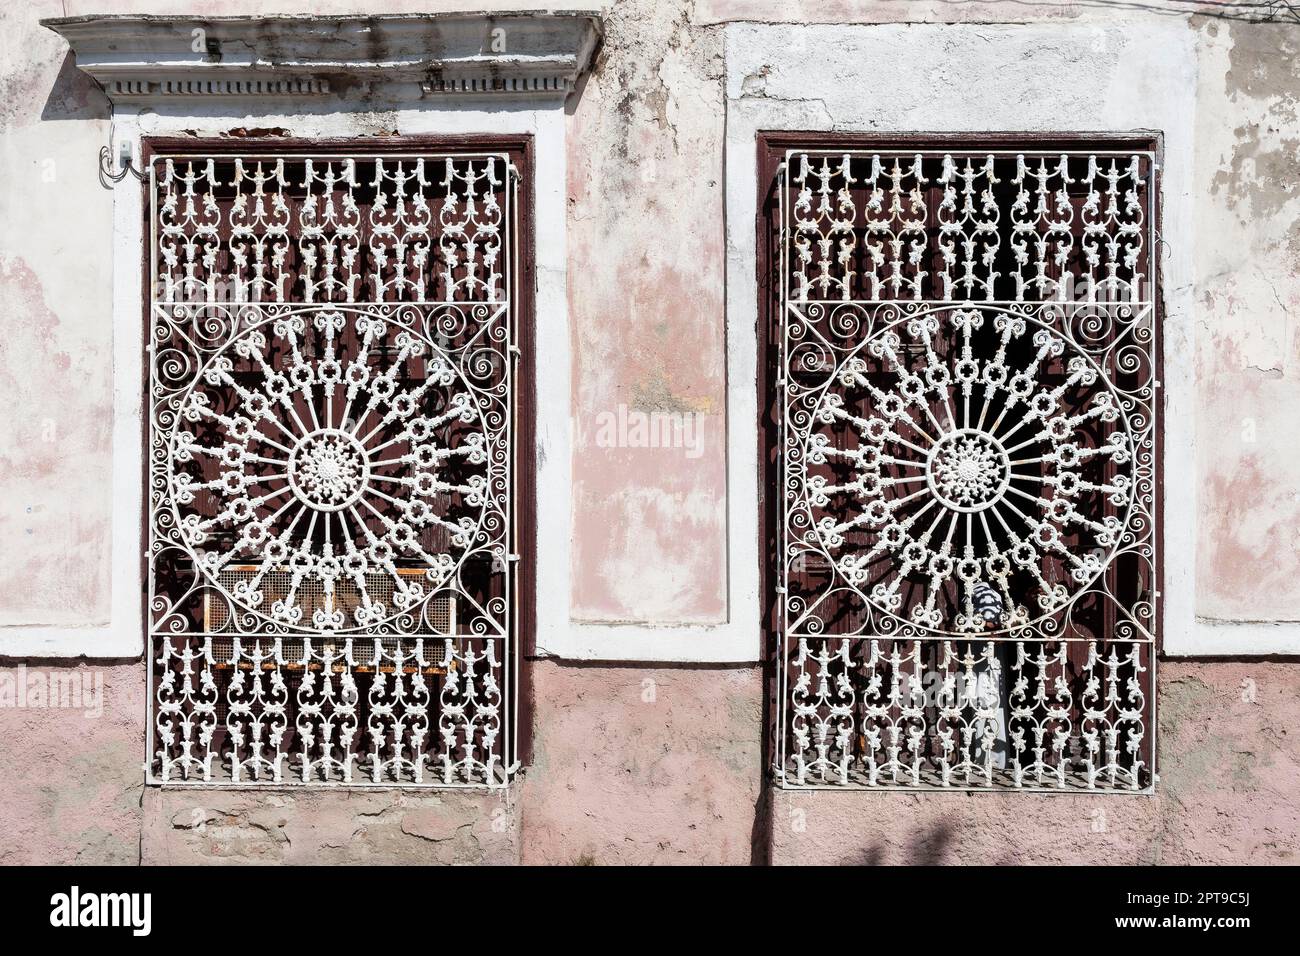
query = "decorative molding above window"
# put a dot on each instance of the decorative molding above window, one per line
(144, 59)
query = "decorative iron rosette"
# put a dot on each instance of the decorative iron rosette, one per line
(345, 447)
(939, 449)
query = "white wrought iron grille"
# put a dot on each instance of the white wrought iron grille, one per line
(331, 539)
(965, 383)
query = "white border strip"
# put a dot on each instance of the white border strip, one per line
(124, 636)
(954, 78)
(1157, 59)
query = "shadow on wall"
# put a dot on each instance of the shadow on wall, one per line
(74, 95)
(930, 849)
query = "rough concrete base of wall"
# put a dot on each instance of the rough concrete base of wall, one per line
(71, 778)
(326, 828)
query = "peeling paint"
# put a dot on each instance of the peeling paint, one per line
(676, 776)
(645, 278)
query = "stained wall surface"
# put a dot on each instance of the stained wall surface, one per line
(640, 762)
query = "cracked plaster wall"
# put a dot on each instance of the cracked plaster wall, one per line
(620, 779)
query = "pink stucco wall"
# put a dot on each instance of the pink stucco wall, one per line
(1229, 765)
(71, 780)
(643, 765)
(1248, 342)
(646, 301)
(662, 765)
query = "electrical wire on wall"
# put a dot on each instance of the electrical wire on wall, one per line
(108, 177)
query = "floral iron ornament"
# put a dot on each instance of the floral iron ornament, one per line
(970, 468)
(966, 399)
(330, 468)
(331, 488)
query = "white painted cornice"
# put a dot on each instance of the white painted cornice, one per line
(148, 59)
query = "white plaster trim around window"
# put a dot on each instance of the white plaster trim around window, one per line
(124, 636)
(409, 112)
(974, 78)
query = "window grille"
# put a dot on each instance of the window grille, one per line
(962, 376)
(334, 350)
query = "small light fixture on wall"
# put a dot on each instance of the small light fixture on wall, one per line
(108, 176)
